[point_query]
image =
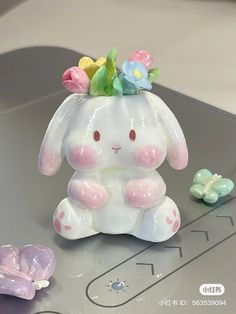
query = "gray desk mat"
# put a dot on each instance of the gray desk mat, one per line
(157, 278)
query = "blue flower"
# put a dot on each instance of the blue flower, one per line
(135, 73)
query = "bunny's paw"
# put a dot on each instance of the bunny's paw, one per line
(58, 221)
(160, 222)
(87, 193)
(144, 193)
(72, 222)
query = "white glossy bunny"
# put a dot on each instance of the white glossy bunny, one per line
(115, 144)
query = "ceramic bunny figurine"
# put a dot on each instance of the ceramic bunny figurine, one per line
(115, 143)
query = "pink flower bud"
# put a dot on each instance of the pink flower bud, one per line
(75, 80)
(142, 56)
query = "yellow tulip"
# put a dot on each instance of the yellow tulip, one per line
(89, 66)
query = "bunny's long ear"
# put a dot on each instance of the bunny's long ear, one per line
(177, 151)
(51, 155)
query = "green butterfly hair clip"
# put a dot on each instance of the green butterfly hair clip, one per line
(210, 187)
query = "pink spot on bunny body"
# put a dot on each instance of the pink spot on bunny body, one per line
(175, 223)
(58, 223)
(82, 157)
(176, 226)
(149, 156)
(61, 215)
(67, 227)
(169, 221)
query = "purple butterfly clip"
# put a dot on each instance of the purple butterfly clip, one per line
(23, 271)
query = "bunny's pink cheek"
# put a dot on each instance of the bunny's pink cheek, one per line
(150, 156)
(82, 157)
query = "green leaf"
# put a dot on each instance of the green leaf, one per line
(105, 81)
(117, 87)
(99, 82)
(111, 70)
(153, 74)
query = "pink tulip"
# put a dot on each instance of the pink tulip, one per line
(75, 80)
(142, 56)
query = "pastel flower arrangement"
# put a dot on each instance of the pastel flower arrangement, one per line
(102, 78)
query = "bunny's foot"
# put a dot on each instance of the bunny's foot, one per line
(88, 193)
(72, 222)
(144, 193)
(160, 222)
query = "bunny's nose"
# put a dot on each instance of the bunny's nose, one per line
(116, 148)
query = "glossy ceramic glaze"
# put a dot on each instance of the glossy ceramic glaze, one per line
(115, 145)
(23, 271)
(210, 187)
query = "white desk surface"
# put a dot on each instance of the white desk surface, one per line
(193, 41)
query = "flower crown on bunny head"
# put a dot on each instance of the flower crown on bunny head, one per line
(101, 77)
